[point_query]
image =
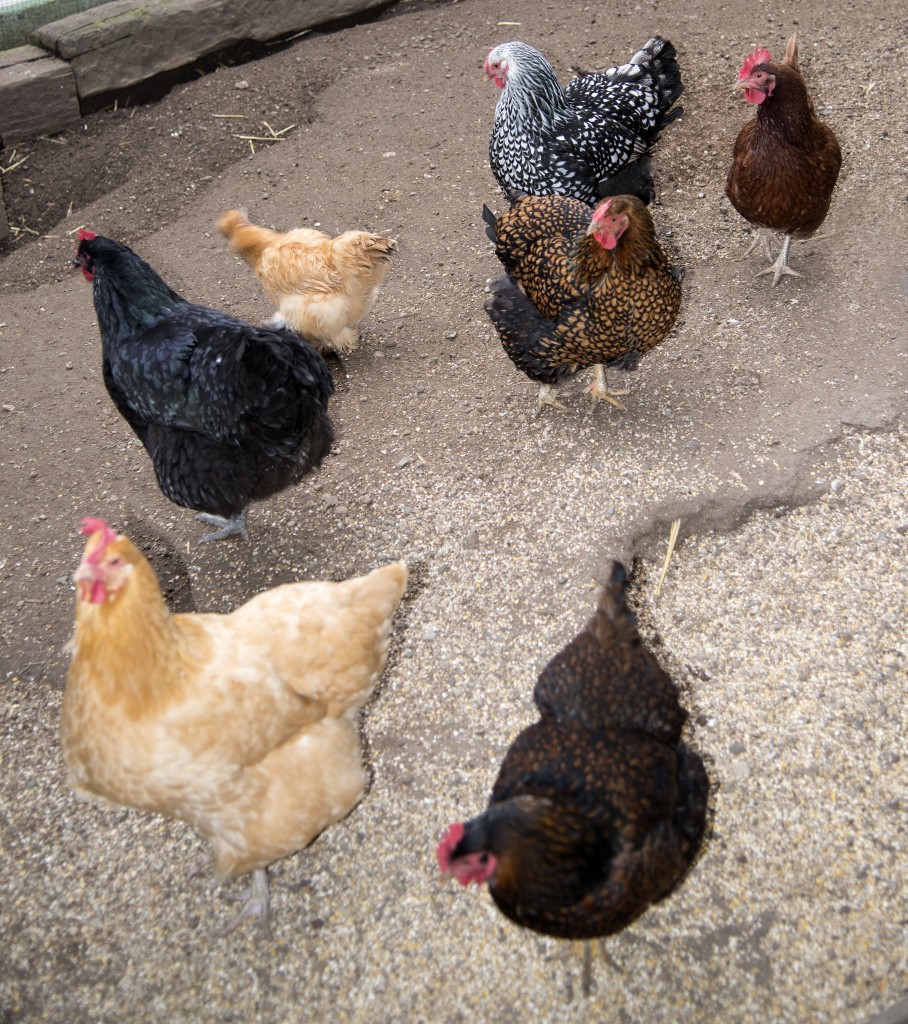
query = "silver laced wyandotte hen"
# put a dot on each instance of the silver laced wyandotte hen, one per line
(584, 287)
(229, 413)
(599, 808)
(785, 161)
(588, 140)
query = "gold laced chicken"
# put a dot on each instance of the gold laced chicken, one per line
(584, 287)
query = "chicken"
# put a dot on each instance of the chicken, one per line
(321, 285)
(228, 412)
(583, 288)
(588, 140)
(785, 161)
(599, 808)
(240, 724)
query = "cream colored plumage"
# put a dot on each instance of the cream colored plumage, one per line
(321, 285)
(241, 724)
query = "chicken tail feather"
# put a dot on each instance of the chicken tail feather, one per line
(635, 179)
(791, 53)
(613, 612)
(246, 238)
(527, 336)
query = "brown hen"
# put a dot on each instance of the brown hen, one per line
(240, 724)
(785, 161)
(598, 808)
(584, 287)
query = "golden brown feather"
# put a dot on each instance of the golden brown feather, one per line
(321, 285)
(599, 808)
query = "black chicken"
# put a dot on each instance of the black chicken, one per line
(228, 412)
(599, 808)
(588, 140)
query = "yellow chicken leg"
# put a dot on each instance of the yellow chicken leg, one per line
(600, 391)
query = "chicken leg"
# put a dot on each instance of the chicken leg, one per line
(547, 397)
(255, 902)
(600, 391)
(233, 527)
(763, 237)
(780, 267)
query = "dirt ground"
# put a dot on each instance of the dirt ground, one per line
(507, 520)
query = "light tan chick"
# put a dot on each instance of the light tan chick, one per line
(241, 724)
(321, 285)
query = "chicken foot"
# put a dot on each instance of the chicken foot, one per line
(255, 902)
(763, 238)
(235, 527)
(780, 267)
(600, 391)
(547, 397)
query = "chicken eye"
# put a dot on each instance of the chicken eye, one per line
(115, 562)
(483, 858)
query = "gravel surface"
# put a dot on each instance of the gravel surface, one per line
(769, 423)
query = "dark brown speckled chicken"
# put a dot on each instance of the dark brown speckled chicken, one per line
(584, 287)
(598, 808)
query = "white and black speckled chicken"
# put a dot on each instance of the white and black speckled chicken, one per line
(588, 140)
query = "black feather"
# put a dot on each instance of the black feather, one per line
(229, 413)
(526, 335)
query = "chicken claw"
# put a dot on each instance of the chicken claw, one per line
(780, 267)
(600, 391)
(763, 237)
(547, 397)
(235, 527)
(255, 903)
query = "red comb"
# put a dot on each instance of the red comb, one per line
(86, 235)
(92, 526)
(760, 56)
(447, 846)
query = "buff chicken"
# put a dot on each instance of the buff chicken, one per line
(322, 286)
(241, 724)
